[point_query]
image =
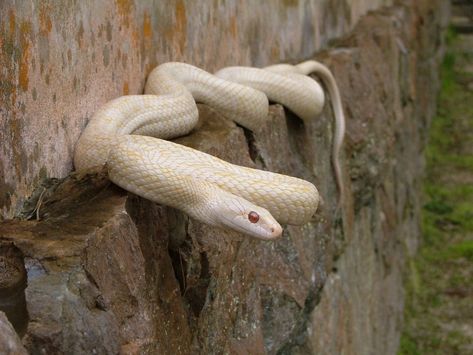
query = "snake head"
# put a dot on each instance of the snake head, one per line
(245, 217)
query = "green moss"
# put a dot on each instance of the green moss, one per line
(438, 206)
(448, 73)
(462, 250)
(457, 251)
(454, 161)
(451, 36)
(408, 346)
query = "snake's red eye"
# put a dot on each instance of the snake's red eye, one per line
(253, 217)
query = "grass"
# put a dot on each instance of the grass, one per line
(439, 290)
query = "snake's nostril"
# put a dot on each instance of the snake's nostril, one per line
(276, 231)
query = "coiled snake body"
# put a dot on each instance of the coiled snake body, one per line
(129, 135)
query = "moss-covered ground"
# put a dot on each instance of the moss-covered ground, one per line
(439, 287)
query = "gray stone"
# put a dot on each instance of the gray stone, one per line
(10, 343)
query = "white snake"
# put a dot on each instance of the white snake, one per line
(129, 135)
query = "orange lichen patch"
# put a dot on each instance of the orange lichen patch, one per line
(181, 18)
(176, 33)
(181, 24)
(80, 35)
(13, 99)
(12, 21)
(45, 24)
(124, 10)
(135, 37)
(126, 89)
(275, 52)
(23, 79)
(23, 76)
(234, 26)
(147, 29)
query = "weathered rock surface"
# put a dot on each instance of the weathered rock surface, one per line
(10, 343)
(108, 272)
(61, 61)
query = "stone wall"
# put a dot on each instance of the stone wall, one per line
(61, 61)
(110, 272)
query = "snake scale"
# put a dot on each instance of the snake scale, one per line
(130, 135)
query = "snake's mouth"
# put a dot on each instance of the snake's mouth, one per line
(264, 230)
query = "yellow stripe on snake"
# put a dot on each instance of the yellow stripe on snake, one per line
(130, 134)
